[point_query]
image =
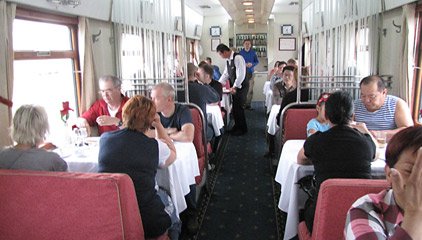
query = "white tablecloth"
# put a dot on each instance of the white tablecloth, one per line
(292, 198)
(176, 178)
(215, 118)
(226, 103)
(272, 120)
(268, 96)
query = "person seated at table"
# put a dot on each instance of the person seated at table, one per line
(380, 111)
(205, 77)
(28, 131)
(344, 151)
(273, 70)
(290, 85)
(105, 113)
(201, 95)
(175, 117)
(215, 69)
(394, 213)
(277, 85)
(130, 151)
(320, 123)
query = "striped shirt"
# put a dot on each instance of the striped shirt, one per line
(382, 119)
(375, 216)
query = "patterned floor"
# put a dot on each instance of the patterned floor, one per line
(241, 199)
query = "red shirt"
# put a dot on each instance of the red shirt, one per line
(99, 108)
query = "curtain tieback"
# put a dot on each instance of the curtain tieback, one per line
(6, 102)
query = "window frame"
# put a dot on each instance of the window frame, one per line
(72, 24)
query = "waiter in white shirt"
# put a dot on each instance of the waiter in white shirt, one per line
(235, 72)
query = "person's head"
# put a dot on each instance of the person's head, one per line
(192, 69)
(208, 60)
(247, 44)
(276, 64)
(401, 154)
(110, 87)
(280, 67)
(291, 62)
(138, 113)
(30, 125)
(224, 51)
(162, 95)
(288, 77)
(205, 73)
(339, 108)
(373, 92)
(320, 106)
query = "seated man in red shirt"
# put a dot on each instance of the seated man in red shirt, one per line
(105, 113)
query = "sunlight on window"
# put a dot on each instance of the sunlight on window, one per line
(362, 57)
(46, 83)
(40, 35)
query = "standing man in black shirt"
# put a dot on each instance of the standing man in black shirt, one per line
(235, 72)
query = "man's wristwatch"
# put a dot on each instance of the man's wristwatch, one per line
(120, 123)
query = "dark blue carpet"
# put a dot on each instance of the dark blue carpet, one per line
(241, 202)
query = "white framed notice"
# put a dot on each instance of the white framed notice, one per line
(287, 44)
(214, 43)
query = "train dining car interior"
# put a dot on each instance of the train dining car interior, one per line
(210, 119)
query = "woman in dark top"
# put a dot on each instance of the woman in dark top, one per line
(130, 150)
(344, 151)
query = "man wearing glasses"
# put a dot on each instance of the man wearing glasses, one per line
(105, 113)
(379, 111)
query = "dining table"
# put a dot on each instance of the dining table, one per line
(268, 92)
(175, 179)
(215, 117)
(272, 126)
(292, 198)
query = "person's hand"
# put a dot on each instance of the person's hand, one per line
(408, 196)
(105, 120)
(360, 126)
(410, 192)
(248, 65)
(83, 123)
(233, 90)
(156, 122)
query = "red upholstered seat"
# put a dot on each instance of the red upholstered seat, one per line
(61, 205)
(200, 141)
(295, 121)
(335, 198)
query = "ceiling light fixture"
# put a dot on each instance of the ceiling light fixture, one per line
(247, 3)
(249, 15)
(249, 10)
(251, 20)
(72, 3)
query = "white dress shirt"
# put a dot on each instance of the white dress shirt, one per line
(240, 64)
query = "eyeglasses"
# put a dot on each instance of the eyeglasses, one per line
(369, 97)
(106, 91)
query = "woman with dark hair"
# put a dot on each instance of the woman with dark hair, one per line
(394, 213)
(344, 151)
(130, 150)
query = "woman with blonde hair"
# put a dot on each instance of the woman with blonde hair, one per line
(29, 129)
(130, 150)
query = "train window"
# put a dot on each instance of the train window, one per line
(46, 62)
(362, 60)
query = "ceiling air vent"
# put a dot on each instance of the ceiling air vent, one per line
(293, 3)
(204, 6)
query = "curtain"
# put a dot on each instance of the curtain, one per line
(88, 87)
(7, 15)
(406, 59)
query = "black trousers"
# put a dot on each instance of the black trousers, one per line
(239, 99)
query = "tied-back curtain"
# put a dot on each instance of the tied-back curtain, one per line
(145, 40)
(406, 59)
(88, 86)
(344, 36)
(7, 15)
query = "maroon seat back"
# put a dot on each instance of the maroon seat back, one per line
(199, 141)
(335, 197)
(295, 121)
(62, 205)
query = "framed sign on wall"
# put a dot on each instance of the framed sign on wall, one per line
(214, 43)
(287, 44)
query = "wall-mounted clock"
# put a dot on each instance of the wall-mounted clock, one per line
(287, 29)
(215, 31)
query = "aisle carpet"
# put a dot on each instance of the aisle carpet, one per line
(242, 198)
